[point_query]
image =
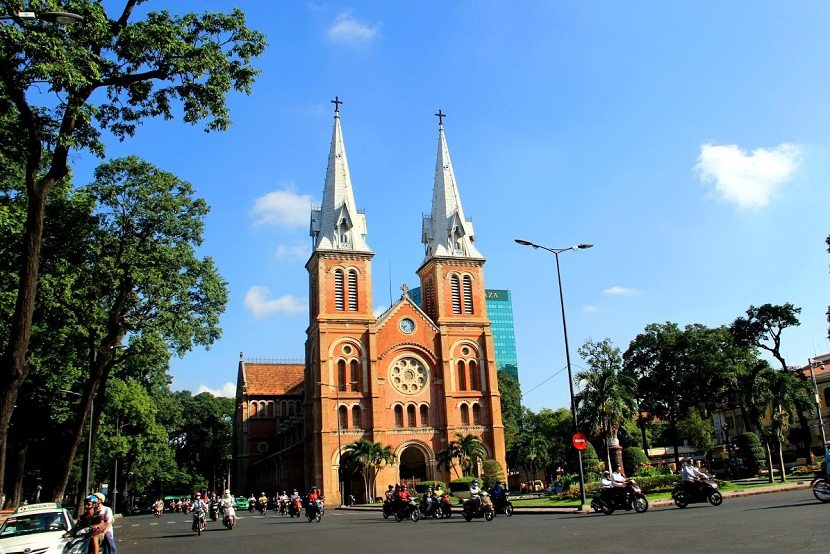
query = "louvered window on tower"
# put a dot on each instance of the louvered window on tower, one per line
(353, 290)
(429, 303)
(468, 295)
(456, 295)
(338, 290)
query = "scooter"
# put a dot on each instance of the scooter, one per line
(409, 510)
(703, 490)
(214, 510)
(627, 498)
(262, 507)
(199, 523)
(432, 509)
(445, 505)
(79, 542)
(229, 517)
(502, 504)
(476, 507)
(314, 511)
(351, 500)
(821, 485)
(294, 508)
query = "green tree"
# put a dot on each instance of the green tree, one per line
(370, 457)
(696, 431)
(108, 74)
(492, 472)
(511, 406)
(787, 391)
(606, 400)
(472, 452)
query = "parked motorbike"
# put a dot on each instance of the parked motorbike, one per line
(214, 510)
(502, 504)
(229, 517)
(821, 485)
(703, 490)
(199, 523)
(627, 498)
(409, 510)
(475, 507)
(314, 511)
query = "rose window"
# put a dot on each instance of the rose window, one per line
(408, 376)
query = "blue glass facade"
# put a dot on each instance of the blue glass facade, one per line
(500, 312)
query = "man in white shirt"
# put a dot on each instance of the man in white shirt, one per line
(106, 517)
(691, 475)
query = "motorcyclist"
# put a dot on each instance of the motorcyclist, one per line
(283, 502)
(475, 494)
(158, 506)
(89, 518)
(620, 481)
(228, 505)
(312, 497)
(429, 501)
(262, 501)
(251, 503)
(390, 494)
(691, 476)
(198, 506)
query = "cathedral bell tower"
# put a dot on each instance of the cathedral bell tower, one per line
(341, 321)
(453, 296)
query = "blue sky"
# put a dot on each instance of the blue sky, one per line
(687, 141)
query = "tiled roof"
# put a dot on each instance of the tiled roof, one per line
(274, 378)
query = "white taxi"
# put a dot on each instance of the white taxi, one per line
(35, 529)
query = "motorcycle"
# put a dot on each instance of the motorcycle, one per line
(703, 490)
(214, 510)
(351, 500)
(476, 507)
(445, 505)
(229, 517)
(79, 542)
(262, 507)
(821, 485)
(314, 511)
(282, 507)
(199, 523)
(409, 510)
(627, 498)
(388, 509)
(502, 504)
(251, 505)
(294, 508)
(433, 509)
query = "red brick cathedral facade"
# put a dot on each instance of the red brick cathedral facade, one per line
(411, 378)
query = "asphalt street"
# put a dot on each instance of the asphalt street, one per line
(789, 522)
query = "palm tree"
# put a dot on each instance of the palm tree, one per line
(447, 456)
(786, 392)
(369, 457)
(607, 399)
(472, 452)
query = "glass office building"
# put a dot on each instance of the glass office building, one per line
(500, 312)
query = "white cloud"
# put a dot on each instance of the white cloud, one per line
(747, 179)
(617, 290)
(260, 305)
(291, 252)
(349, 30)
(590, 309)
(283, 207)
(228, 390)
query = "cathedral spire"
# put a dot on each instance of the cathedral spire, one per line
(337, 224)
(446, 232)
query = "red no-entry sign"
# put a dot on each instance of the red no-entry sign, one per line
(580, 441)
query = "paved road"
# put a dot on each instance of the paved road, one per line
(788, 522)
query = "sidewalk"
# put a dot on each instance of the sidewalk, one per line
(772, 488)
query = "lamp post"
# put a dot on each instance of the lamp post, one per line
(818, 404)
(339, 446)
(60, 18)
(556, 252)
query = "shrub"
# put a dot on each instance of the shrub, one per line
(750, 454)
(493, 472)
(634, 459)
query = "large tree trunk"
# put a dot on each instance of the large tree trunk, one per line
(781, 462)
(14, 367)
(19, 469)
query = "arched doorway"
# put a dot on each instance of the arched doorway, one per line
(351, 479)
(413, 465)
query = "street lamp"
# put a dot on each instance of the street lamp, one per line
(339, 446)
(61, 18)
(556, 252)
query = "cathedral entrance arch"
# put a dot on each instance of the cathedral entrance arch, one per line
(414, 462)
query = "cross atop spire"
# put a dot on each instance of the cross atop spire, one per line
(336, 103)
(440, 115)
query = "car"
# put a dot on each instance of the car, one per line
(36, 528)
(241, 503)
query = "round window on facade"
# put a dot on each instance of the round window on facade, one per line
(408, 375)
(347, 349)
(465, 350)
(262, 447)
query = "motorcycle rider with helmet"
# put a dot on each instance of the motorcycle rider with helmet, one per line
(691, 476)
(197, 506)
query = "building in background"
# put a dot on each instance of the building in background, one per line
(500, 312)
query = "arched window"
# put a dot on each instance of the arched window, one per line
(424, 415)
(476, 414)
(341, 375)
(270, 409)
(356, 417)
(343, 417)
(456, 294)
(291, 409)
(410, 416)
(355, 375)
(462, 376)
(465, 415)
(398, 416)
(339, 303)
(353, 290)
(253, 409)
(468, 295)
(474, 376)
